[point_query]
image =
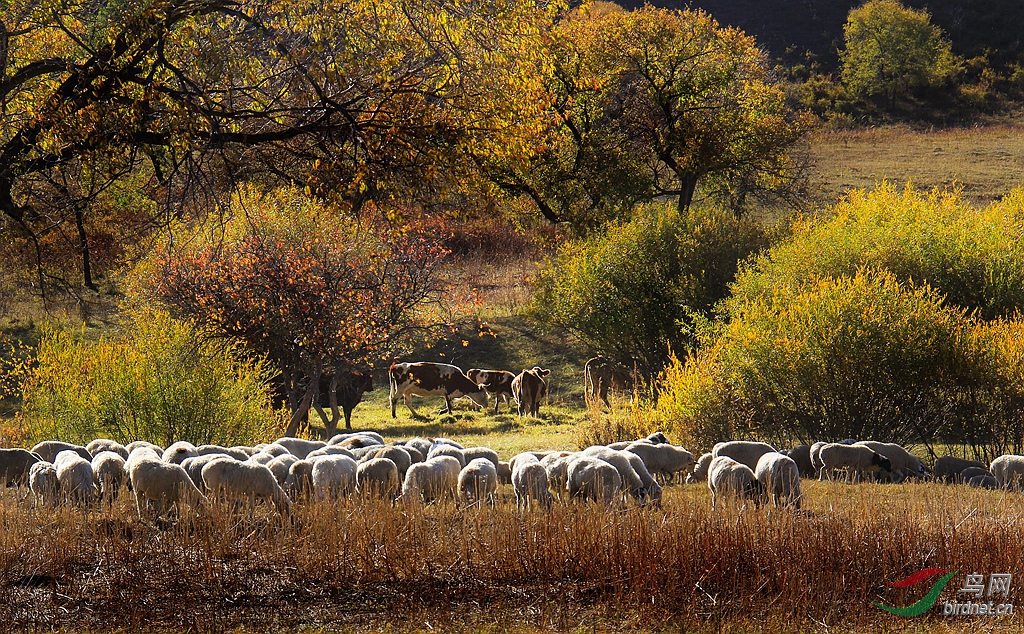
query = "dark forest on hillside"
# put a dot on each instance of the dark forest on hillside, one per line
(788, 28)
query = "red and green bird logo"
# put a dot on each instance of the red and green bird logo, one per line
(929, 599)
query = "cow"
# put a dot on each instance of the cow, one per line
(432, 379)
(528, 388)
(601, 374)
(497, 383)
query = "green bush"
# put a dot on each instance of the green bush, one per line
(974, 258)
(157, 381)
(633, 292)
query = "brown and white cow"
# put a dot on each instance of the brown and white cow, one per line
(528, 388)
(497, 383)
(602, 374)
(432, 379)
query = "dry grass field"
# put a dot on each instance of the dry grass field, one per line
(365, 565)
(986, 162)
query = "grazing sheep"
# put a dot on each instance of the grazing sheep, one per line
(42, 481)
(105, 444)
(903, 463)
(365, 438)
(108, 470)
(743, 451)
(445, 441)
(855, 460)
(472, 453)
(651, 487)
(590, 478)
(422, 445)
(179, 451)
(359, 441)
(159, 481)
(48, 450)
(300, 478)
(329, 450)
(273, 449)
(731, 478)
(238, 453)
(398, 455)
(556, 464)
(431, 480)
(779, 476)
(700, 470)
(631, 481)
(280, 466)
(478, 481)
(801, 455)
(378, 477)
(15, 465)
(194, 467)
(334, 477)
(984, 481)
(1008, 471)
(504, 473)
(236, 478)
(140, 452)
(300, 447)
(662, 460)
(948, 468)
(530, 483)
(816, 455)
(76, 478)
(971, 472)
(448, 450)
(132, 446)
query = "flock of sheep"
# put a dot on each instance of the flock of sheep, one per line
(423, 469)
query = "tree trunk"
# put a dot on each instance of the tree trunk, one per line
(687, 187)
(83, 243)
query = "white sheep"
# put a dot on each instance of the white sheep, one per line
(779, 476)
(300, 447)
(700, 469)
(238, 453)
(651, 487)
(76, 478)
(334, 477)
(530, 483)
(903, 463)
(329, 450)
(105, 444)
(180, 450)
(48, 450)
(445, 449)
(378, 477)
(590, 478)
(431, 480)
(1008, 470)
(364, 437)
(743, 451)
(359, 440)
(662, 460)
(108, 470)
(816, 455)
(136, 444)
(15, 465)
(159, 481)
(631, 481)
(472, 453)
(478, 481)
(245, 479)
(398, 455)
(948, 468)
(556, 464)
(300, 478)
(264, 457)
(272, 448)
(504, 473)
(280, 465)
(42, 481)
(194, 467)
(855, 460)
(728, 477)
(522, 458)
(421, 445)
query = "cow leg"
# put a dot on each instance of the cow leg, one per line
(497, 401)
(393, 397)
(348, 417)
(447, 405)
(408, 403)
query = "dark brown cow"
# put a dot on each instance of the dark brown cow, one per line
(497, 383)
(432, 379)
(602, 374)
(351, 386)
(528, 388)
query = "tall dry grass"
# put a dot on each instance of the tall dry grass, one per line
(369, 565)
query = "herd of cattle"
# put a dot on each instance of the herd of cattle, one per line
(426, 470)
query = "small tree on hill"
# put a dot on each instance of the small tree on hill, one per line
(313, 292)
(891, 49)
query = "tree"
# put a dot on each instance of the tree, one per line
(634, 292)
(890, 49)
(300, 284)
(375, 104)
